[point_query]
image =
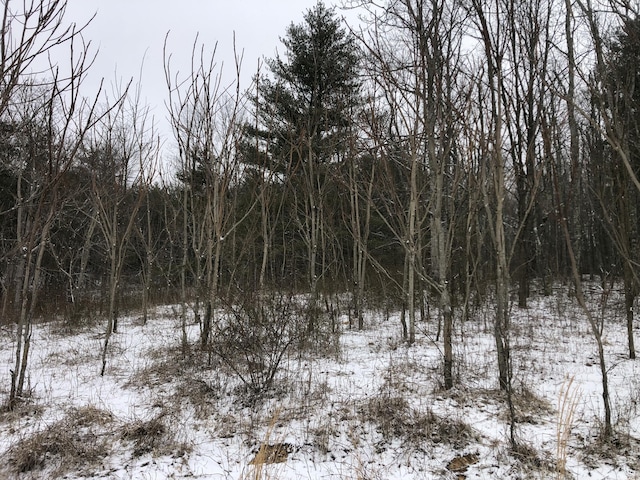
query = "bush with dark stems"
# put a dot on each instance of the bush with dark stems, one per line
(255, 334)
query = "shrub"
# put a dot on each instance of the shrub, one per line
(255, 335)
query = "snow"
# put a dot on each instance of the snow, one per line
(373, 409)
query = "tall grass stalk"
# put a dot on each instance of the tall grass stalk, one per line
(567, 402)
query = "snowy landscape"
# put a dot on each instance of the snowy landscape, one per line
(404, 247)
(366, 407)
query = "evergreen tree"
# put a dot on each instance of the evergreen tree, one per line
(303, 115)
(312, 90)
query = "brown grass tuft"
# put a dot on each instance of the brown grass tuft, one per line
(272, 453)
(396, 419)
(156, 436)
(78, 440)
(146, 435)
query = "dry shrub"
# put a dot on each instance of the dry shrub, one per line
(615, 450)
(452, 431)
(84, 438)
(533, 460)
(155, 436)
(202, 396)
(530, 407)
(392, 416)
(22, 409)
(272, 453)
(80, 439)
(322, 436)
(145, 435)
(164, 366)
(329, 426)
(396, 419)
(256, 335)
(167, 367)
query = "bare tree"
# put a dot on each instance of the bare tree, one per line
(595, 325)
(145, 232)
(614, 93)
(55, 106)
(120, 154)
(361, 179)
(601, 119)
(493, 41)
(527, 26)
(30, 30)
(415, 50)
(205, 114)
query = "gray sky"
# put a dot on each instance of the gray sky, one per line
(127, 31)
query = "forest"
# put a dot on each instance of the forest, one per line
(436, 160)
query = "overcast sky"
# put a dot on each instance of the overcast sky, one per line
(127, 31)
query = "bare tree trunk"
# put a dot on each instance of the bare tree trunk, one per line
(411, 248)
(23, 338)
(29, 30)
(21, 228)
(593, 323)
(574, 137)
(471, 260)
(314, 227)
(357, 246)
(183, 271)
(360, 234)
(123, 137)
(403, 311)
(494, 204)
(613, 91)
(266, 237)
(112, 317)
(630, 294)
(149, 258)
(493, 53)
(416, 85)
(211, 271)
(86, 249)
(446, 309)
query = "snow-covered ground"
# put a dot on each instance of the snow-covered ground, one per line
(371, 409)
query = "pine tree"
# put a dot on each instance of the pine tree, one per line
(311, 92)
(303, 113)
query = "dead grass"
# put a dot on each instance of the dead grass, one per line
(84, 438)
(269, 452)
(533, 460)
(156, 436)
(22, 409)
(395, 418)
(322, 435)
(201, 395)
(530, 408)
(163, 365)
(76, 443)
(617, 450)
(567, 402)
(398, 417)
(272, 453)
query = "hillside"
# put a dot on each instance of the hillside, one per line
(367, 406)
(363, 406)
